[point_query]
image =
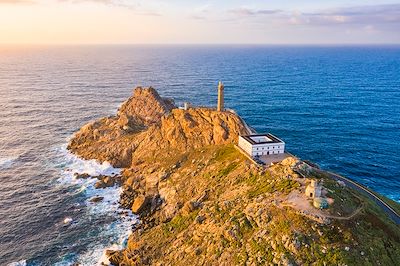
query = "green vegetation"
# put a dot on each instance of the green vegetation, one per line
(225, 171)
(282, 185)
(345, 199)
(242, 228)
(179, 223)
(226, 153)
(262, 251)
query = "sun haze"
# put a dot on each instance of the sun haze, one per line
(198, 22)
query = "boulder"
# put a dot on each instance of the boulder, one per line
(200, 219)
(108, 181)
(115, 256)
(81, 176)
(191, 206)
(96, 199)
(127, 197)
(99, 184)
(123, 120)
(139, 204)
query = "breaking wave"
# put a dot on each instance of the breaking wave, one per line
(18, 263)
(113, 235)
(7, 162)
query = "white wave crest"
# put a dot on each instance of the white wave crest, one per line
(18, 263)
(75, 164)
(117, 231)
(7, 162)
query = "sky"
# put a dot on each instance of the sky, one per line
(199, 22)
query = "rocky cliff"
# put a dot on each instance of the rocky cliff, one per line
(148, 125)
(201, 202)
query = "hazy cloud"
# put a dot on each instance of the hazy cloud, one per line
(376, 14)
(105, 2)
(197, 17)
(358, 15)
(243, 12)
(17, 2)
(119, 3)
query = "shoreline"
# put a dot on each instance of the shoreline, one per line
(108, 205)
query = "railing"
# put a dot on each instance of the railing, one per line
(372, 195)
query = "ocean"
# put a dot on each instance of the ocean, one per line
(336, 106)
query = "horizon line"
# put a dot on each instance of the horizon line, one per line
(199, 44)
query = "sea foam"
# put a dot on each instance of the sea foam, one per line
(115, 232)
(7, 162)
(18, 263)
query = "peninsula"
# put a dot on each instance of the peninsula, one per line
(205, 199)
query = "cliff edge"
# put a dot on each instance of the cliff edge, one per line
(148, 125)
(201, 202)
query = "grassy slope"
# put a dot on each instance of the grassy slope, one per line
(242, 224)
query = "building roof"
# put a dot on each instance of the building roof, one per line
(269, 138)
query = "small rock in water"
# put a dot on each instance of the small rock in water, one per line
(106, 181)
(81, 176)
(99, 184)
(96, 199)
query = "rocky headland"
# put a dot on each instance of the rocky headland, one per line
(201, 202)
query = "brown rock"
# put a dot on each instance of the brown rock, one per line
(200, 219)
(115, 257)
(108, 181)
(191, 206)
(145, 106)
(81, 176)
(96, 199)
(127, 197)
(139, 204)
(161, 128)
(99, 184)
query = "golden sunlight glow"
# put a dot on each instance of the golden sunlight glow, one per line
(84, 23)
(156, 21)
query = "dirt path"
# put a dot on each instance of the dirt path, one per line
(350, 183)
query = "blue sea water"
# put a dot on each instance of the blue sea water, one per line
(336, 106)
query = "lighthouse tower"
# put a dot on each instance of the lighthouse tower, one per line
(220, 106)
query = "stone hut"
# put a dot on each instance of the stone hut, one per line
(313, 190)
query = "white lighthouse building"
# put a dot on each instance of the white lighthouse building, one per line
(261, 145)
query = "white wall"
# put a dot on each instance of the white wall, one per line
(261, 149)
(245, 145)
(268, 149)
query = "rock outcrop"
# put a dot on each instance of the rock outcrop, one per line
(139, 204)
(144, 107)
(183, 130)
(148, 125)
